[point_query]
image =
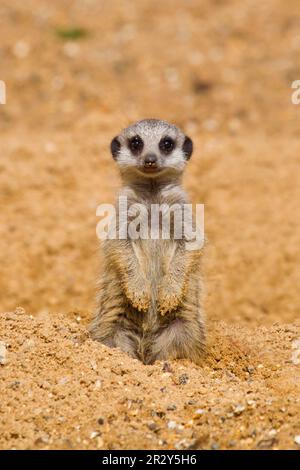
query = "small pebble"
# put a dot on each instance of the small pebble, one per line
(251, 403)
(172, 425)
(192, 402)
(171, 407)
(215, 446)
(28, 345)
(183, 379)
(3, 353)
(238, 410)
(162, 442)
(98, 384)
(297, 439)
(266, 443)
(93, 364)
(63, 380)
(296, 353)
(185, 444)
(43, 439)
(152, 426)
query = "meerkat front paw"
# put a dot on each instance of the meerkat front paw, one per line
(138, 295)
(170, 295)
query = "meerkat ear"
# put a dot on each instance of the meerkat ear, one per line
(115, 147)
(187, 147)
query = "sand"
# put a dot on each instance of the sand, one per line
(223, 71)
(59, 389)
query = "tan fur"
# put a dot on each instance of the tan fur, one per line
(150, 291)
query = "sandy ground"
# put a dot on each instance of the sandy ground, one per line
(60, 389)
(222, 71)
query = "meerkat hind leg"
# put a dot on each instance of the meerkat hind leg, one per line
(181, 339)
(128, 342)
(124, 340)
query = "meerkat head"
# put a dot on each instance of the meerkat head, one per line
(151, 148)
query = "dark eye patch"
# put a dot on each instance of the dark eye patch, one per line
(166, 145)
(136, 144)
(115, 147)
(187, 147)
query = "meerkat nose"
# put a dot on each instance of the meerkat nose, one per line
(150, 160)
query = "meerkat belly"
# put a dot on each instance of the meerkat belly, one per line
(149, 254)
(154, 258)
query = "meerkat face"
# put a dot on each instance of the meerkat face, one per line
(151, 148)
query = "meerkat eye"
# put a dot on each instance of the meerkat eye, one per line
(136, 144)
(166, 145)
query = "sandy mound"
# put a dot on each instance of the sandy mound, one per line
(59, 389)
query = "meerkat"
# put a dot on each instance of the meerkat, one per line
(150, 297)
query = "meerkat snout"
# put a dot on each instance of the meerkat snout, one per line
(150, 160)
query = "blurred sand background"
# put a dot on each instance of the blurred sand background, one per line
(78, 71)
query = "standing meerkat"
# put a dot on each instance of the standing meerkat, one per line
(150, 300)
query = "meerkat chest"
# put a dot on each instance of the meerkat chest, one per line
(155, 227)
(154, 237)
(157, 219)
(154, 257)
